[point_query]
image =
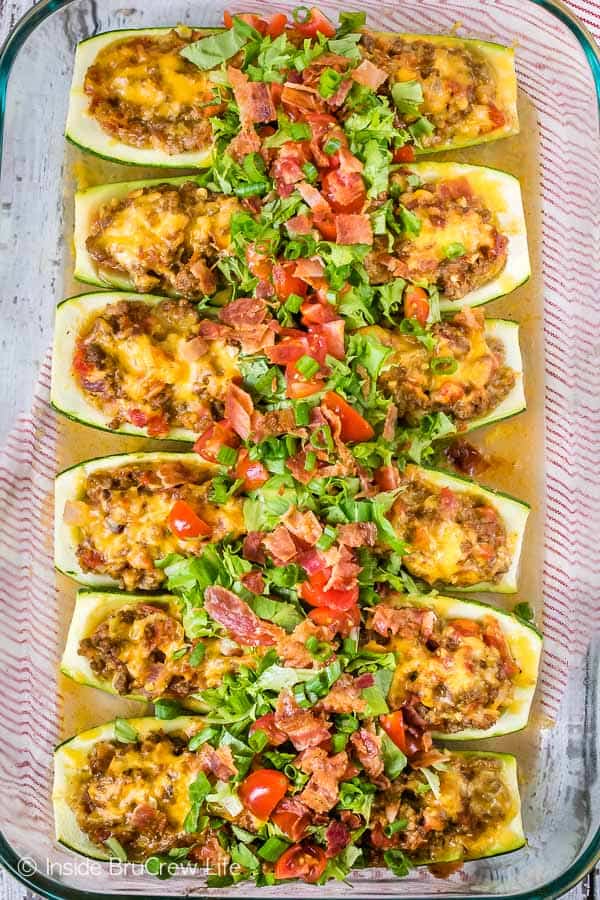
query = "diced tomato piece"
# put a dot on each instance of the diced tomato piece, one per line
(252, 471)
(289, 349)
(157, 425)
(276, 25)
(393, 725)
(259, 264)
(354, 427)
(314, 24)
(80, 365)
(344, 620)
(298, 387)
(262, 790)
(267, 724)
(314, 312)
(416, 304)
(138, 418)
(344, 191)
(335, 599)
(466, 627)
(333, 333)
(404, 154)
(292, 818)
(221, 434)
(286, 282)
(496, 115)
(305, 861)
(186, 523)
(249, 18)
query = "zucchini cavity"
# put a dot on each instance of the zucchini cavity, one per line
(523, 641)
(83, 130)
(501, 194)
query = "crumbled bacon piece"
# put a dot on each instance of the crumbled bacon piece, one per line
(217, 762)
(344, 697)
(369, 75)
(337, 837)
(303, 728)
(322, 791)
(358, 534)
(238, 410)
(303, 525)
(254, 582)
(244, 311)
(367, 745)
(280, 545)
(232, 613)
(292, 648)
(245, 142)
(253, 98)
(353, 228)
(408, 622)
(252, 549)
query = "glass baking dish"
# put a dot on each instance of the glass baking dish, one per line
(559, 71)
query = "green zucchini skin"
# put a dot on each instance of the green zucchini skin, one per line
(513, 512)
(70, 758)
(84, 131)
(69, 485)
(525, 643)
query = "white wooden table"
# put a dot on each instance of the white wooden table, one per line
(20, 357)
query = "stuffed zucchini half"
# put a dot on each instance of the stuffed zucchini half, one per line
(457, 533)
(156, 235)
(135, 646)
(139, 817)
(466, 669)
(138, 364)
(116, 516)
(134, 99)
(473, 372)
(469, 238)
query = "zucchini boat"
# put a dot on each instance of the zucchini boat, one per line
(180, 86)
(71, 768)
(157, 235)
(115, 516)
(480, 375)
(470, 669)
(120, 110)
(135, 646)
(86, 816)
(471, 786)
(105, 372)
(449, 68)
(470, 256)
(458, 533)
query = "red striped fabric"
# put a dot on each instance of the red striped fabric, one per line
(554, 73)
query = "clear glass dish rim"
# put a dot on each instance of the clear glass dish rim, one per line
(10, 860)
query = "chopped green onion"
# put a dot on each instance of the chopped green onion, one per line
(302, 413)
(252, 189)
(272, 848)
(443, 365)
(227, 456)
(116, 849)
(167, 709)
(301, 14)
(177, 654)
(453, 251)
(310, 461)
(338, 742)
(331, 146)
(327, 538)
(391, 829)
(202, 737)
(329, 82)
(124, 732)
(421, 128)
(311, 172)
(307, 366)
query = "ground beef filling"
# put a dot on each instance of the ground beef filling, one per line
(142, 649)
(473, 802)
(452, 538)
(148, 366)
(477, 379)
(145, 94)
(459, 88)
(453, 674)
(458, 247)
(165, 238)
(138, 794)
(122, 519)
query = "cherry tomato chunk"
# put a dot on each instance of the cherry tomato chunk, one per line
(185, 522)
(262, 790)
(416, 304)
(353, 426)
(393, 725)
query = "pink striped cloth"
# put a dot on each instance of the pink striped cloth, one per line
(571, 323)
